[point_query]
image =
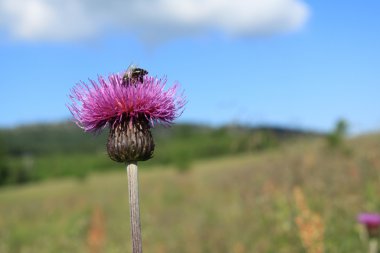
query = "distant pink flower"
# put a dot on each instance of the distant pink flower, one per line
(109, 102)
(371, 221)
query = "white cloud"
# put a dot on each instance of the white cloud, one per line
(149, 19)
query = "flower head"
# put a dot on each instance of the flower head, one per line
(372, 223)
(369, 219)
(109, 101)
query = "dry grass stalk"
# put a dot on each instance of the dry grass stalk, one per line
(310, 225)
(96, 232)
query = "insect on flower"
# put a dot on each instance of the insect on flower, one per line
(134, 75)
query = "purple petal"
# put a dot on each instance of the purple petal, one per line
(107, 101)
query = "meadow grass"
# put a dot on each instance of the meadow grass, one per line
(237, 204)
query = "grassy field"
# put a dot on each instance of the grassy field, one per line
(302, 197)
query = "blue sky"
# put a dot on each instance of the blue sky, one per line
(281, 62)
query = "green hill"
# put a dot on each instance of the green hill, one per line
(42, 151)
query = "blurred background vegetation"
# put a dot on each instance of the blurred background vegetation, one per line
(227, 189)
(38, 152)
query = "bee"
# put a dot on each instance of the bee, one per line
(134, 75)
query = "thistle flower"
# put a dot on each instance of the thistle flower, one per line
(372, 223)
(130, 105)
